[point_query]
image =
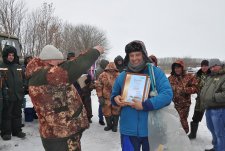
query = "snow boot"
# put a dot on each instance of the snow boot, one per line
(101, 122)
(194, 128)
(115, 123)
(6, 137)
(20, 134)
(108, 123)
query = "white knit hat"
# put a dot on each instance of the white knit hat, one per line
(50, 52)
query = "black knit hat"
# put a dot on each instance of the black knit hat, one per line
(70, 54)
(204, 63)
(136, 46)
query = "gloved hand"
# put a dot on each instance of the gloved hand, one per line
(184, 94)
(101, 101)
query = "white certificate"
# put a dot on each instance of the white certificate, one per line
(136, 86)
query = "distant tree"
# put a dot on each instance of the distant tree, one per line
(11, 16)
(42, 28)
(82, 37)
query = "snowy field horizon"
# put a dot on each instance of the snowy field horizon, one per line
(95, 138)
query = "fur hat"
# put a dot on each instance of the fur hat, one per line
(135, 46)
(214, 62)
(204, 63)
(50, 52)
(5, 52)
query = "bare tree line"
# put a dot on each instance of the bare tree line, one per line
(166, 63)
(41, 27)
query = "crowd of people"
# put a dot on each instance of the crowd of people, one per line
(60, 91)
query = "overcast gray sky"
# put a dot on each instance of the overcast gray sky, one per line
(169, 28)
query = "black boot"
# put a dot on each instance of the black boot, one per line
(194, 128)
(101, 122)
(109, 123)
(210, 149)
(115, 123)
(19, 134)
(6, 137)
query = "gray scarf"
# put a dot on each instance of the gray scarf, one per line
(137, 68)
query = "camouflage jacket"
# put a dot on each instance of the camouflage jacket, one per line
(183, 86)
(56, 101)
(106, 80)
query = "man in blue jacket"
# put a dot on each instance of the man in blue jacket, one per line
(134, 116)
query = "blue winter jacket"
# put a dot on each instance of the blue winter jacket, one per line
(135, 122)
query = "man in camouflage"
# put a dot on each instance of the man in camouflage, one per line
(201, 75)
(104, 86)
(183, 85)
(62, 117)
(102, 65)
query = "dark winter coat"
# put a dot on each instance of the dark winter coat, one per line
(56, 101)
(13, 76)
(201, 77)
(213, 92)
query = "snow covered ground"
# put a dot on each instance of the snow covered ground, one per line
(95, 138)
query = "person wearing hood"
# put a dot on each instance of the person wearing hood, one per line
(102, 65)
(183, 85)
(134, 116)
(213, 97)
(154, 60)
(201, 75)
(104, 86)
(13, 94)
(61, 113)
(119, 63)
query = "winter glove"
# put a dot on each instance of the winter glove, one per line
(101, 101)
(88, 80)
(184, 94)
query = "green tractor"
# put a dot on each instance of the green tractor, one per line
(10, 40)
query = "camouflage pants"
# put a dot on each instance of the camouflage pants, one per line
(71, 143)
(109, 110)
(183, 113)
